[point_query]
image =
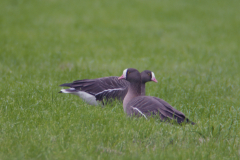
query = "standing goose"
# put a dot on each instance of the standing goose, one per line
(94, 90)
(136, 104)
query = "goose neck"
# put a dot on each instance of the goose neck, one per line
(134, 90)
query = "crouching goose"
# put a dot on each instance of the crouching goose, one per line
(96, 90)
(136, 104)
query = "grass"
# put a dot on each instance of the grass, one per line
(192, 47)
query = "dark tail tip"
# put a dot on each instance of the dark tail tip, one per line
(192, 123)
(66, 85)
(60, 92)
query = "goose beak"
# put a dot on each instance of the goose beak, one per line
(153, 78)
(122, 77)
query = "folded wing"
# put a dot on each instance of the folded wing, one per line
(102, 88)
(154, 106)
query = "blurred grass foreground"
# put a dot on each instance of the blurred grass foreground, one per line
(191, 46)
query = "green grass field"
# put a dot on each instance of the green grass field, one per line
(191, 46)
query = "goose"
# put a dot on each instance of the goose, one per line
(136, 104)
(100, 90)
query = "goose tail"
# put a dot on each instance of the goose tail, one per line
(70, 90)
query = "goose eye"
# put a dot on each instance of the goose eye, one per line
(149, 74)
(128, 72)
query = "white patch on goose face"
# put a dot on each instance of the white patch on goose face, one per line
(139, 111)
(125, 73)
(153, 76)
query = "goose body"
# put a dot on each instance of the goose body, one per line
(136, 104)
(95, 91)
